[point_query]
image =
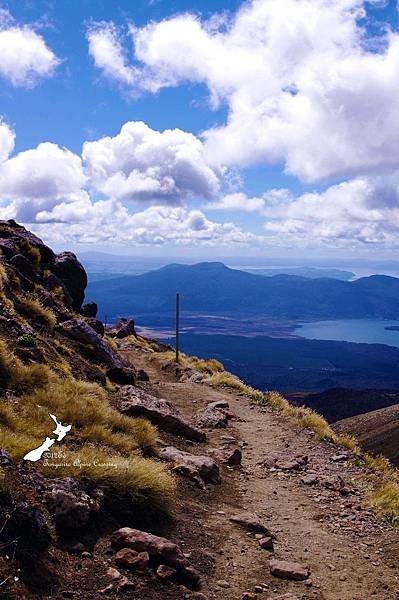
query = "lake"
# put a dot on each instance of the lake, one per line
(369, 331)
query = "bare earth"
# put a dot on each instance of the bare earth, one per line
(351, 555)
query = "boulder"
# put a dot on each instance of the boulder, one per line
(71, 506)
(80, 331)
(89, 309)
(289, 570)
(200, 469)
(53, 282)
(124, 328)
(137, 403)
(212, 418)
(97, 325)
(252, 522)
(15, 239)
(132, 560)
(122, 375)
(158, 548)
(71, 272)
(24, 267)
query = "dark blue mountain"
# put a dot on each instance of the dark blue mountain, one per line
(213, 287)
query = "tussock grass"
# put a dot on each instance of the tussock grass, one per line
(209, 367)
(34, 309)
(385, 500)
(229, 380)
(147, 481)
(22, 377)
(113, 443)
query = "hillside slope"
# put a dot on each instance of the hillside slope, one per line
(217, 288)
(377, 431)
(152, 464)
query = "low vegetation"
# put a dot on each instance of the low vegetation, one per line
(209, 367)
(103, 445)
(34, 309)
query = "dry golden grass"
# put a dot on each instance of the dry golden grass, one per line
(209, 367)
(22, 377)
(33, 308)
(226, 379)
(147, 481)
(33, 252)
(113, 442)
(385, 500)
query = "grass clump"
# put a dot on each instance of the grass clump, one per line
(147, 481)
(209, 367)
(86, 407)
(385, 500)
(22, 378)
(226, 379)
(33, 308)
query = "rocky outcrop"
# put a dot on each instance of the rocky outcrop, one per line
(160, 549)
(137, 403)
(72, 274)
(89, 310)
(124, 328)
(70, 505)
(96, 325)
(82, 332)
(201, 469)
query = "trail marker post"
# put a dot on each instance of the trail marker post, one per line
(177, 326)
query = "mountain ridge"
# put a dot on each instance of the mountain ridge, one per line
(212, 286)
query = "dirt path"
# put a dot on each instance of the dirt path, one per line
(351, 556)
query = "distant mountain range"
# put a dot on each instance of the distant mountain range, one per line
(212, 287)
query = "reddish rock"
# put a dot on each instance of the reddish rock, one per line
(160, 548)
(113, 574)
(251, 521)
(200, 469)
(289, 570)
(266, 543)
(165, 572)
(229, 456)
(212, 418)
(135, 561)
(137, 403)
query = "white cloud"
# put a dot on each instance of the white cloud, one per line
(300, 80)
(144, 165)
(24, 55)
(108, 54)
(110, 222)
(47, 171)
(364, 210)
(7, 140)
(238, 202)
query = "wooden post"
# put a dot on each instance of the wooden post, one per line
(177, 326)
(105, 322)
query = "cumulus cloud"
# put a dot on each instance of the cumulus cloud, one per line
(108, 221)
(364, 210)
(24, 55)
(47, 171)
(301, 80)
(238, 202)
(144, 165)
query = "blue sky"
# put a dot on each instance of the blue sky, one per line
(281, 121)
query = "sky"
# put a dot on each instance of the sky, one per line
(213, 128)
